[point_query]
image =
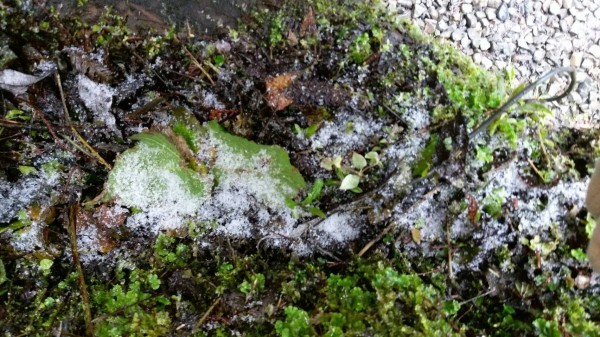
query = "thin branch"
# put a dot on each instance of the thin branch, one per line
(87, 311)
(68, 118)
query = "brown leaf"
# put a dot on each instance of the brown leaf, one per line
(472, 209)
(278, 101)
(308, 23)
(280, 82)
(276, 98)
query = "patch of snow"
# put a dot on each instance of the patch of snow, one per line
(28, 239)
(338, 228)
(97, 97)
(346, 133)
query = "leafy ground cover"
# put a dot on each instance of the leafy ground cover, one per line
(309, 172)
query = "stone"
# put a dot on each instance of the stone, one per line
(554, 8)
(578, 28)
(490, 13)
(465, 42)
(484, 44)
(434, 14)
(576, 59)
(502, 12)
(457, 35)
(475, 36)
(429, 27)
(567, 4)
(466, 8)
(595, 51)
(419, 11)
(522, 43)
(587, 64)
(486, 63)
(471, 20)
(442, 25)
(539, 55)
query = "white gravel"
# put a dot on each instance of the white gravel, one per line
(532, 36)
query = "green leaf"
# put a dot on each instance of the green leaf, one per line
(151, 175)
(426, 161)
(46, 264)
(316, 211)
(2, 272)
(315, 192)
(350, 182)
(153, 281)
(451, 307)
(373, 157)
(288, 180)
(27, 170)
(358, 161)
(311, 130)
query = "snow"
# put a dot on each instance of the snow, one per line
(338, 228)
(346, 133)
(97, 98)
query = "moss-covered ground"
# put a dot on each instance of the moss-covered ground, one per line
(309, 77)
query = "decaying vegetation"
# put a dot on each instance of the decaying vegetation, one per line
(309, 172)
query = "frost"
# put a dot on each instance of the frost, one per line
(150, 177)
(339, 228)
(97, 98)
(347, 133)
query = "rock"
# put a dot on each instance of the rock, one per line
(490, 13)
(502, 12)
(539, 55)
(442, 25)
(465, 42)
(471, 20)
(419, 11)
(434, 14)
(595, 51)
(576, 59)
(484, 44)
(475, 36)
(567, 4)
(554, 8)
(486, 63)
(429, 27)
(587, 64)
(522, 43)
(578, 28)
(457, 35)
(466, 8)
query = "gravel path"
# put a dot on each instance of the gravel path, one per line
(533, 36)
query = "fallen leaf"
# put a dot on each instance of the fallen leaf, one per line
(308, 23)
(276, 98)
(472, 209)
(280, 82)
(415, 233)
(17, 82)
(278, 101)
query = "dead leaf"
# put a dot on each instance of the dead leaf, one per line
(308, 23)
(276, 97)
(415, 233)
(280, 82)
(278, 101)
(17, 82)
(292, 38)
(472, 209)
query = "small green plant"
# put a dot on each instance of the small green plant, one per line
(297, 323)
(350, 176)
(253, 285)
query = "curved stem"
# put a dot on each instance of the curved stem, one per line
(571, 71)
